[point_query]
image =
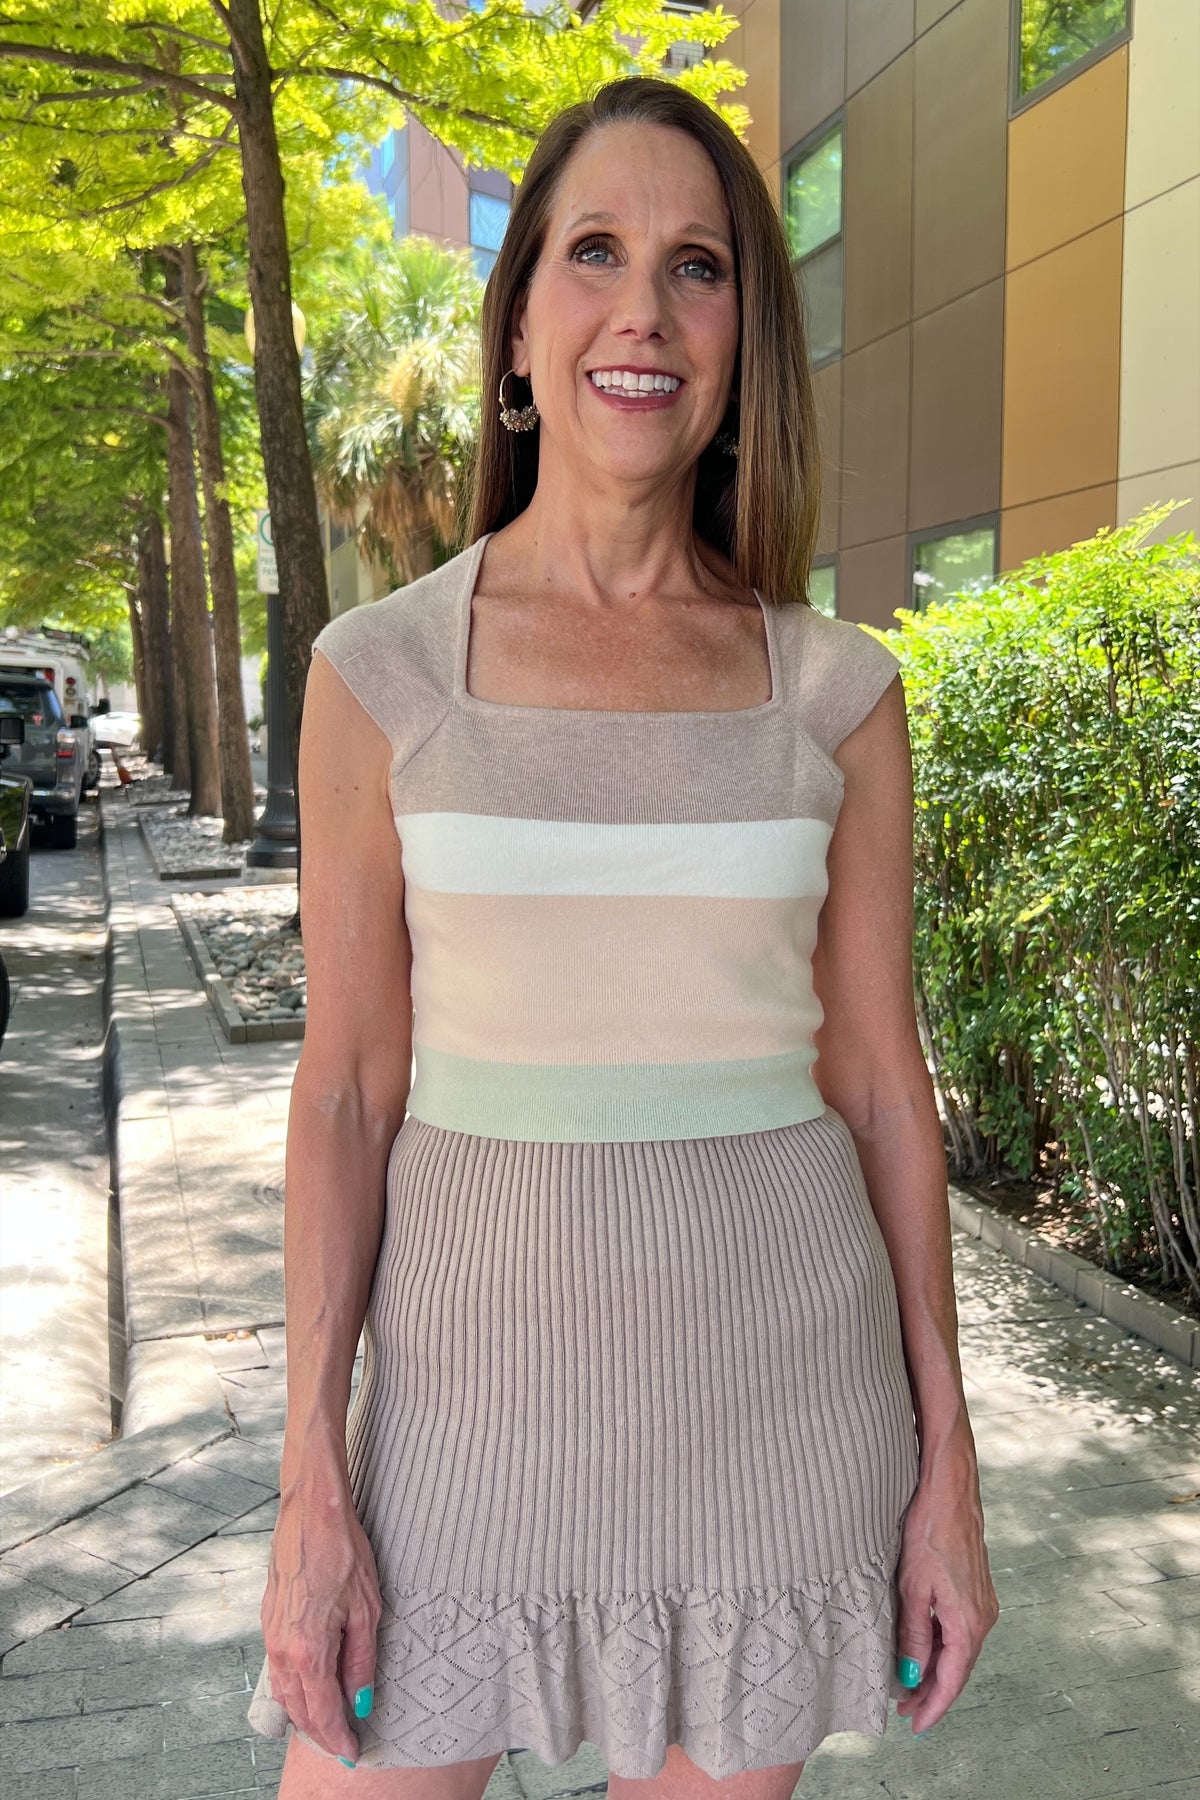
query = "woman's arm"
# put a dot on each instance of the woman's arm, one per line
(871, 1069)
(347, 1104)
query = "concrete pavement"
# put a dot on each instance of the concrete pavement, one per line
(131, 1608)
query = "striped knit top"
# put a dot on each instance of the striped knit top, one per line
(612, 914)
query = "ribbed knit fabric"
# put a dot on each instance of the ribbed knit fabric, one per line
(634, 1437)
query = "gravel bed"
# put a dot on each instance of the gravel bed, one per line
(247, 934)
(190, 844)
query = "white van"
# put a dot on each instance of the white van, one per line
(60, 656)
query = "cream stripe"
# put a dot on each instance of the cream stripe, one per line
(477, 853)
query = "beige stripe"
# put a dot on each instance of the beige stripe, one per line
(611, 978)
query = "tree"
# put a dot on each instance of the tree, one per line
(393, 400)
(186, 81)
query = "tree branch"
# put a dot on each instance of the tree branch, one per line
(87, 64)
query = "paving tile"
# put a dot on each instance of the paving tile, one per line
(82, 1741)
(243, 1458)
(55, 1563)
(84, 1647)
(144, 1525)
(176, 1675)
(1161, 1600)
(1120, 1759)
(222, 1490)
(261, 1519)
(160, 1595)
(49, 1696)
(27, 1609)
(49, 1784)
(205, 1719)
(186, 1774)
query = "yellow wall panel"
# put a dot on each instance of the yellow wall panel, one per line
(1160, 333)
(1062, 369)
(1044, 525)
(754, 46)
(1182, 483)
(1066, 161)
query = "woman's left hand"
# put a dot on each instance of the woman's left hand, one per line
(947, 1601)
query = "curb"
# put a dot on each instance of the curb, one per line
(1163, 1326)
(218, 872)
(237, 1029)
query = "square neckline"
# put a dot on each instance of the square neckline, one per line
(475, 703)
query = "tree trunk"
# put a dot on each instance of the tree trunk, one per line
(291, 496)
(237, 780)
(138, 636)
(189, 610)
(156, 648)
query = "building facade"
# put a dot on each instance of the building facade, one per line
(995, 221)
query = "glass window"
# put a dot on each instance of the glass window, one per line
(387, 154)
(36, 705)
(813, 187)
(960, 562)
(1056, 34)
(489, 217)
(813, 217)
(822, 588)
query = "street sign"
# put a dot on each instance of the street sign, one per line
(268, 575)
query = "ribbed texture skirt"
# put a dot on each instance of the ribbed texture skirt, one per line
(632, 1446)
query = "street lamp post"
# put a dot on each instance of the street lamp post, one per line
(274, 848)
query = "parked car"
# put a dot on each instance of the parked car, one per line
(114, 730)
(12, 733)
(15, 826)
(61, 657)
(53, 756)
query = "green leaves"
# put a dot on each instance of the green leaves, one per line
(1056, 739)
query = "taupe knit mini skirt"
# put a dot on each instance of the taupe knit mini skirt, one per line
(632, 1446)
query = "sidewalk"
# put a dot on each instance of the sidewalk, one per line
(130, 1585)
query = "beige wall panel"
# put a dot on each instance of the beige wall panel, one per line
(1061, 369)
(754, 46)
(827, 390)
(813, 62)
(1160, 333)
(1164, 98)
(437, 188)
(1182, 483)
(961, 147)
(957, 379)
(1056, 524)
(928, 12)
(877, 31)
(1066, 161)
(875, 439)
(873, 582)
(878, 217)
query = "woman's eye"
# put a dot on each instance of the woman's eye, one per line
(710, 268)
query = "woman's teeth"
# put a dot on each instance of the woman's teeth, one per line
(624, 381)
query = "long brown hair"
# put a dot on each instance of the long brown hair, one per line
(760, 509)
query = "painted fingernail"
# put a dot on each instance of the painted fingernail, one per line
(363, 1701)
(346, 1761)
(910, 1674)
(924, 1733)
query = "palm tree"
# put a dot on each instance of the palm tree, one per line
(392, 401)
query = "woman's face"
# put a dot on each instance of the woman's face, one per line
(648, 286)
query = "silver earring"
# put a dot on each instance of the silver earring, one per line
(516, 418)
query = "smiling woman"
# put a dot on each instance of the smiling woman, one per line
(622, 832)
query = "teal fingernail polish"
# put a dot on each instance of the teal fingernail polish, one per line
(924, 1733)
(910, 1674)
(363, 1701)
(346, 1761)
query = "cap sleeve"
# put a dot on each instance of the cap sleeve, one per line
(360, 644)
(843, 671)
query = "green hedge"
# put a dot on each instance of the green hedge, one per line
(1055, 721)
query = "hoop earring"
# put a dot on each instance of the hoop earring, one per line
(516, 418)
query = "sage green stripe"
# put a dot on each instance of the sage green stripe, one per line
(554, 1103)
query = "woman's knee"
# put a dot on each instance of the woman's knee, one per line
(680, 1779)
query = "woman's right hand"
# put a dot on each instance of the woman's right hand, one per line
(320, 1611)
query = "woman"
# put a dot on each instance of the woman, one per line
(649, 1301)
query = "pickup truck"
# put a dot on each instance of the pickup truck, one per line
(14, 832)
